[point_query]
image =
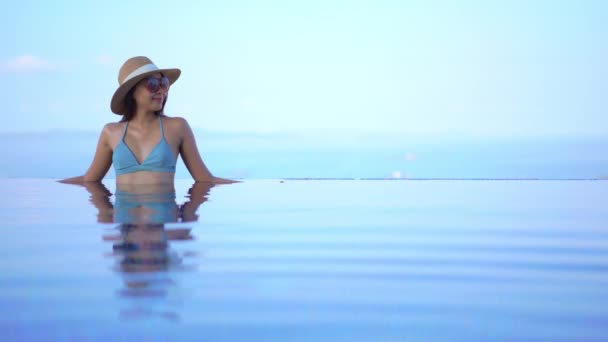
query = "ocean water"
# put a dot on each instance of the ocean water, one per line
(267, 156)
(322, 260)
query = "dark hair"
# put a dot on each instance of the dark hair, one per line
(130, 106)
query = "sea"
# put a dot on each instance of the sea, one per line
(61, 154)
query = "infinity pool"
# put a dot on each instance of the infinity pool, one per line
(334, 260)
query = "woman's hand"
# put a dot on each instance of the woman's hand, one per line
(218, 180)
(74, 180)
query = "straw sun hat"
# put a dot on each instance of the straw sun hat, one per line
(134, 70)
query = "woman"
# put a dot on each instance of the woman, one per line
(145, 144)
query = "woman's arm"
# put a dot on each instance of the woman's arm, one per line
(192, 158)
(101, 161)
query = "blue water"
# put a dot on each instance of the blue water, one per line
(325, 260)
(65, 154)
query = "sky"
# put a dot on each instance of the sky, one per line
(412, 68)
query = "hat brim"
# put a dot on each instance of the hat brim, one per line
(117, 104)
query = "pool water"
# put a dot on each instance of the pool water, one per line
(334, 260)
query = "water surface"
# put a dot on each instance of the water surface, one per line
(305, 260)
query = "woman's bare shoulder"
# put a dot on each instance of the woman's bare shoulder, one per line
(175, 120)
(176, 128)
(113, 126)
(112, 130)
(175, 123)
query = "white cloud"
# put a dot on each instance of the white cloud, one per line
(26, 63)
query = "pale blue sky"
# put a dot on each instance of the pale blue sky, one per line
(412, 68)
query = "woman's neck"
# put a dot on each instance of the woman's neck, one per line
(143, 119)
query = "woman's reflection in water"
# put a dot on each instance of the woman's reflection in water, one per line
(141, 242)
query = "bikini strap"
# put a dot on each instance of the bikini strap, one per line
(162, 132)
(124, 132)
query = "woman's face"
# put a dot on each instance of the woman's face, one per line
(151, 92)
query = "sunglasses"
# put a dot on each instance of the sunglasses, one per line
(153, 84)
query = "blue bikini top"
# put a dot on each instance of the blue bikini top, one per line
(161, 159)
